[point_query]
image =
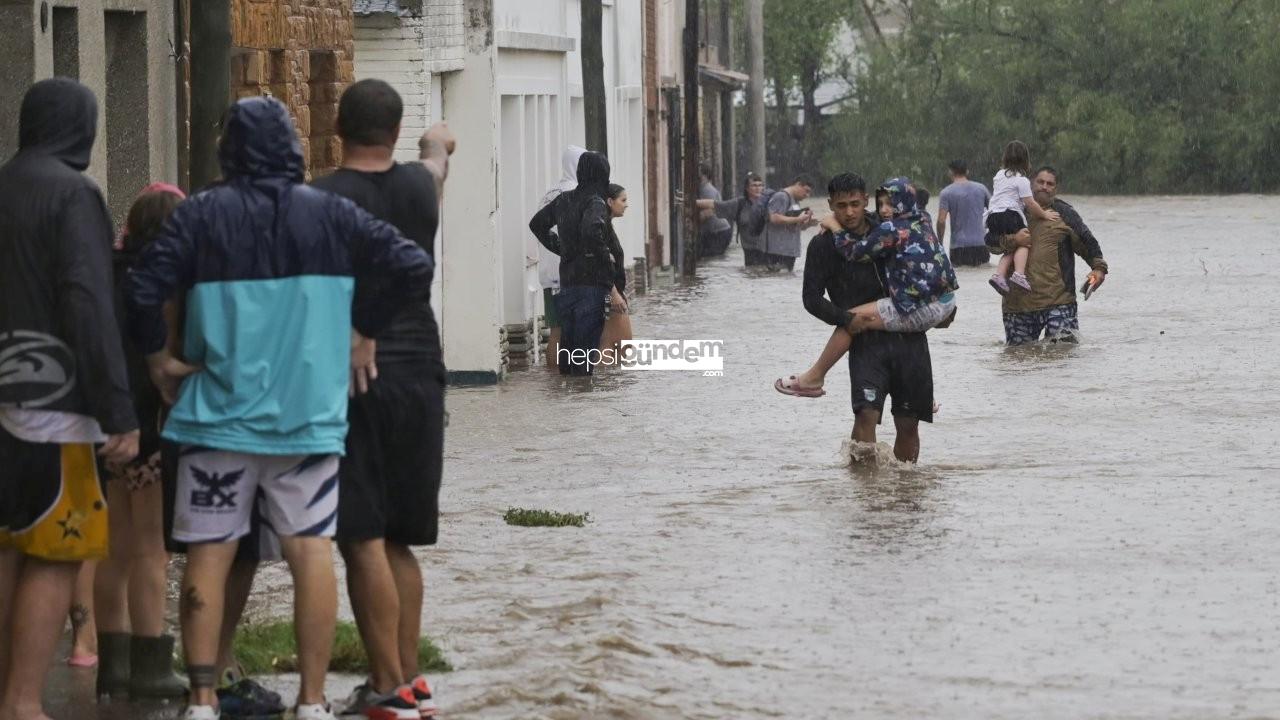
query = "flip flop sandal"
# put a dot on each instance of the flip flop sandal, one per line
(789, 387)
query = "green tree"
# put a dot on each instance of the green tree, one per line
(799, 39)
(1134, 96)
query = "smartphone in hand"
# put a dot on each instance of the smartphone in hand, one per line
(1087, 289)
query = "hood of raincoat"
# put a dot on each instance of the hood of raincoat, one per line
(569, 163)
(258, 141)
(902, 197)
(59, 118)
(569, 180)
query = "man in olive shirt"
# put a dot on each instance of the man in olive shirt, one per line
(1049, 309)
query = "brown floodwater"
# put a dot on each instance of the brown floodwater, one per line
(1090, 532)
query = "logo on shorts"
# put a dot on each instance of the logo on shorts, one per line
(869, 394)
(36, 369)
(71, 525)
(214, 494)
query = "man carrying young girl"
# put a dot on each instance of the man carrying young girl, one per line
(916, 272)
(881, 363)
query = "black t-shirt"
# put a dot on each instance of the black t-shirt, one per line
(847, 283)
(405, 196)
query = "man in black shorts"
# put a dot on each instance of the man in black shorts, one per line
(390, 478)
(880, 363)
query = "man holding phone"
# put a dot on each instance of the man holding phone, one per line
(786, 219)
(1050, 310)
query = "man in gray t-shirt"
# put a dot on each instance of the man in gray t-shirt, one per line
(786, 219)
(964, 202)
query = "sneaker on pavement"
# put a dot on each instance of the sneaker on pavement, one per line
(399, 704)
(314, 712)
(200, 712)
(427, 707)
(360, 698)
(1020, 280)
(247, 699)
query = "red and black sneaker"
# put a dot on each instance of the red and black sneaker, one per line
(399, 704)
(427, 709)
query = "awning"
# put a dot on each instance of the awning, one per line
(719, 78)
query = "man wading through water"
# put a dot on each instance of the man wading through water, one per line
(388, 497)
(1049, 310)
(881, 363)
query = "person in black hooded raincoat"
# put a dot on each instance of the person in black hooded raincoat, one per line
(63, 380)
(581, 219)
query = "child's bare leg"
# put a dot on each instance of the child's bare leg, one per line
(836, 347)
(1006, 264)
(866, 317)
(1019, 260)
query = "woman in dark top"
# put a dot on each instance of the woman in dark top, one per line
(588, 272)
(617, 326)
(129, 591)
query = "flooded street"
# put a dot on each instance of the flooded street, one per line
(1090, 532)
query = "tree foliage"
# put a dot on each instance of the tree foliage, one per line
(799, 40)
(1124, 96)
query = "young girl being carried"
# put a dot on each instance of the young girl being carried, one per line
(1011, 198)
(918, 277)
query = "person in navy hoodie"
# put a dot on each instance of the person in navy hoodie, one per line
(267, 266)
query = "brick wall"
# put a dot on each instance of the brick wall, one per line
(395, 50)
(300, 51)
(443, 24)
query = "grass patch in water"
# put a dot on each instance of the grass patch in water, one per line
(266, 648)
(544, 518)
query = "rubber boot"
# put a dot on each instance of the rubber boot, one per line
(113, 664)
(151, 659)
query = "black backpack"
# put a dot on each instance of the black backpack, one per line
(760, 212)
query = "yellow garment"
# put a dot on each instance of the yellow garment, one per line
(75, 528)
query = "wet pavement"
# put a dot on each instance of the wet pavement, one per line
(1089, 533)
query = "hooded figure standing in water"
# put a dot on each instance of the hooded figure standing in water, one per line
(580, 219)
(63, 381)
(548, 263)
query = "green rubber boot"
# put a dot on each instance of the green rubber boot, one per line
(113, 664)
(151, 660)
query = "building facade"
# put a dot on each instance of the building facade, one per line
(120, 49)
(506, 75)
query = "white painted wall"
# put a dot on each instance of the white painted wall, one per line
(394, 50)
(470, 253)
(514, 106)
(412, 53)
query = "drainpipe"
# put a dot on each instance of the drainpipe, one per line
(210, 85)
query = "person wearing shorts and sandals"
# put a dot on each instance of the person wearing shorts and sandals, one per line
(64, 382)
(268, 267)
(918, 276)
(390, 490)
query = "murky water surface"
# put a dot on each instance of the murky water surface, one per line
(1090, 532)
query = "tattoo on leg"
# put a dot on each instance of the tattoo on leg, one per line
(190, 602)
(202, 676)
(79, 617)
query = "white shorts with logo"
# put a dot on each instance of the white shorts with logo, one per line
(219, 491)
